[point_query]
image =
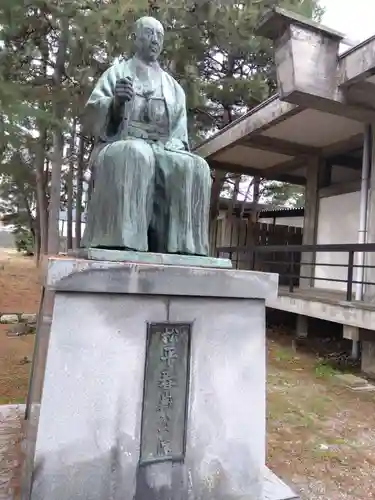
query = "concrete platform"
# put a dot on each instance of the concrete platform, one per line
(325, 304)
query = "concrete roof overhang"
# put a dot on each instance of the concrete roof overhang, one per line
(324, 102)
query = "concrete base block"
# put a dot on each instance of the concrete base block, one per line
(368, 358)
(91, 429)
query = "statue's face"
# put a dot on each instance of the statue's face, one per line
(149, 38)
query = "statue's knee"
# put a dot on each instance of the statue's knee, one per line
(203, 166)
(195, 167)
(140, 151)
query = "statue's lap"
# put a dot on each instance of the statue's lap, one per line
(141, 150)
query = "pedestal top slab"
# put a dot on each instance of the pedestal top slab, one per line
(92, 276)
(150, 258)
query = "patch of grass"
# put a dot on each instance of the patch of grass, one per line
(319, 405)
(12, 401)
(283, 354)
(324, 370)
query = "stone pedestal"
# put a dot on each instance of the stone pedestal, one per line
(100, 433)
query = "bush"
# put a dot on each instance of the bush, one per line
(24, 241)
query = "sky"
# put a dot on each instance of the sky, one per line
(354, 18)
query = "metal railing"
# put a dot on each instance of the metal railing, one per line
(294, 263)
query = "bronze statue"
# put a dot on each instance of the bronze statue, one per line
(150, 193)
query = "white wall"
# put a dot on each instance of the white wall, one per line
(338, 222)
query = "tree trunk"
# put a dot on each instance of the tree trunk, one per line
(216, 188)
(40, 159)
(54, 204)
(70, 178)
(58, 143)
(37, 242)
(80, 170)
(42, 204)
(236, 188)
(220, 176)
(256, 190)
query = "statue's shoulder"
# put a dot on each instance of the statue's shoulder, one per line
(122, 65)
(116, 69)
(174, 83)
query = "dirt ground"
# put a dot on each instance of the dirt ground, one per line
(19, 283)
(19, 293)
(321, 435)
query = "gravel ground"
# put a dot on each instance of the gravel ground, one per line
(321, 435)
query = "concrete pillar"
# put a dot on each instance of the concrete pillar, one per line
(302, 326)
(310, 221)
(369, 290)
(352, 333)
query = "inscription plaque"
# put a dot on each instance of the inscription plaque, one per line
(165, 392)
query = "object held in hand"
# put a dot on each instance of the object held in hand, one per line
(124, 90)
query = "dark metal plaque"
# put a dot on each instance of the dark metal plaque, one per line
(165, 392)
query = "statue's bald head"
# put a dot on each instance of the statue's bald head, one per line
(149, 37)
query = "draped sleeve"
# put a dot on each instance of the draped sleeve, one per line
(178, 127)
(98, 108)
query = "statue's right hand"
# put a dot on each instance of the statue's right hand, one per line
(123, 91)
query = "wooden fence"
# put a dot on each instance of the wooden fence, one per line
(245, 234)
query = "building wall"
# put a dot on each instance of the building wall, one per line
(285, 221)
(338, 222)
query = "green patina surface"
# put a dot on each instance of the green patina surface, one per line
(149, 192)
(152, 258)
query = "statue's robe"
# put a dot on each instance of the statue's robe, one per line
(150, 193)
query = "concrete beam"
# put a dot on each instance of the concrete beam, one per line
(334, 104)
(346, 145)
(281, 146)
(358, 63)
(346, 161)
(336, 189)
(287, 166)
(264, 116)
(361, 94)
(256, 172)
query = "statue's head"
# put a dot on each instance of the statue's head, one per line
(149, 37)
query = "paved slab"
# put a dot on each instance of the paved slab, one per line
(10, 434)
